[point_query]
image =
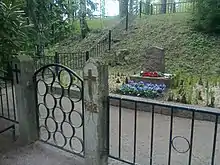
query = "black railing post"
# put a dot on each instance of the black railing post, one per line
(9, 70)
(148, 9)
(151, 9)
(56, 61)
(174, 7)
(127, 21)
(140, 8)
(109, 39)
(87, 55)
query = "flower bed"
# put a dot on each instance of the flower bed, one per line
(142, 89)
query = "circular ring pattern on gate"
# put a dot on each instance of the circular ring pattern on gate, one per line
(59, 120)
(182, 140)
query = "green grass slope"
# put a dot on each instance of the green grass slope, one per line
(185, 49)
(74, 43)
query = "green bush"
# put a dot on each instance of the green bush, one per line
(12, 27)
(206, 16)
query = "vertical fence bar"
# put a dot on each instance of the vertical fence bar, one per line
(87, 55)
(97, 50)
(56, 61)
(103, 45)
(171, 136)
(191, 137)
(109, 39)
(6, 91)
(119, 130)
(127, 21)
(135, 132)
(69, 60)
(140, 10)
(148, 8)
(151, 9)
(152, 136)
(174, 7)
(214, 140)
(13, 97)
(74, 60)
(95, 54)
(99, 45)
(108, 123)
(2, 106)
(82, 59)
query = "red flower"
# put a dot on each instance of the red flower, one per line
(150, 74)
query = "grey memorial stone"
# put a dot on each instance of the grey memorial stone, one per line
(154, 60)
(25, 99)
(95, 77)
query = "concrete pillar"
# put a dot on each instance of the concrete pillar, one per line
(25, 99)
(96, 92)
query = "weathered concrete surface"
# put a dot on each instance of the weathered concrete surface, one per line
(37, 154)
(95, 76)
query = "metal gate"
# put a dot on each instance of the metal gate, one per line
(60, 110)
(8, 114)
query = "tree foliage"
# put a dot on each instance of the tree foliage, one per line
(48, 22)
(206, 16)
(13, 30)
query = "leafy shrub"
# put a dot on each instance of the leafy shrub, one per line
(206, 16)
(12, 36)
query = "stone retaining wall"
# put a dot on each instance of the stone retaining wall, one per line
(163, 110)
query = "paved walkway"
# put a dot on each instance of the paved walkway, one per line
(37, 154)
(202, 144)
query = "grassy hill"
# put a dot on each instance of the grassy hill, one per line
(185, 49)
(74, 43)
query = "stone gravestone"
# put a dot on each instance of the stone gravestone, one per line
(95, 76)
(154, 60)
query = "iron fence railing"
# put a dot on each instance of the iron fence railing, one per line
(78, 59)
(191, 136)
(7, 96)
(175, 7)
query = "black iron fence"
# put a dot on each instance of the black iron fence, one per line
(184, 133)
(7, 96)
(71, 60)
(78, 59)
(148, 8)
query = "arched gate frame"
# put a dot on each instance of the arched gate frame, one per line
(60, 110)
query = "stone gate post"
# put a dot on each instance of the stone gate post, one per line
(95, 76)
(25, 99)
